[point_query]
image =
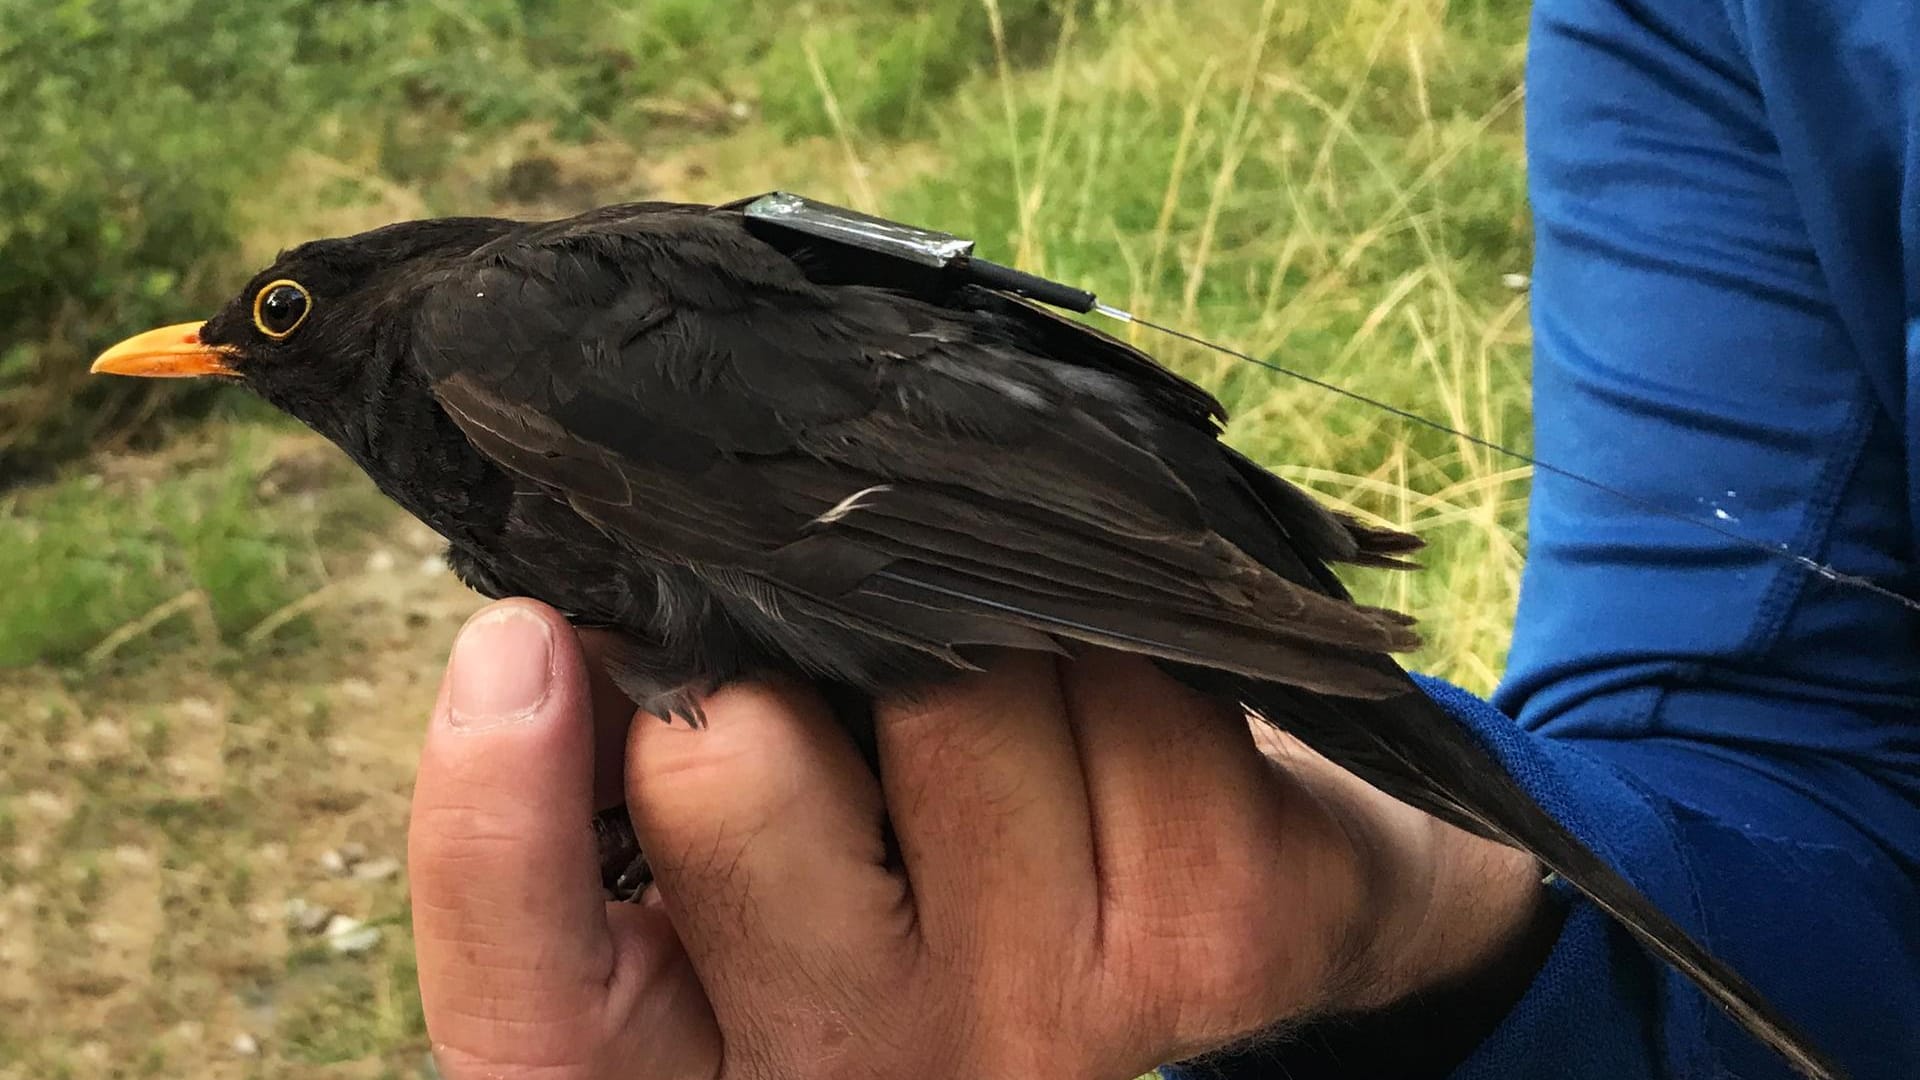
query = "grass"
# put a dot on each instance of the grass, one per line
(218, 640)
(1355, 228)
(200, 546)
(110, 214)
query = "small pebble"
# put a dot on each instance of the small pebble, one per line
(382, 561)
(379, 869)
(433, 566)
(1516, 282)
(306, 916)
(245, 1045)
(334, 863)
(198, 709)
(353, 852)
(349, 936)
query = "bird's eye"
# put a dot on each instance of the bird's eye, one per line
(281, 307)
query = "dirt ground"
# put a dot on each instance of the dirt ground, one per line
(162, 821)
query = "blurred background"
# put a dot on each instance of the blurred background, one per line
(218, 643)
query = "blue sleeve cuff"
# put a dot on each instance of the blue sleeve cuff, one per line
(1598, 1007)
(1814, 920)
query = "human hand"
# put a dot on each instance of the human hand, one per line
(1100, 871)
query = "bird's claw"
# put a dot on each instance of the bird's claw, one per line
(624, 870)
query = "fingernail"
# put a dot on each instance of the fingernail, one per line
(502, 666)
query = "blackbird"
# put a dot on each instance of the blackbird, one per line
(749, 457)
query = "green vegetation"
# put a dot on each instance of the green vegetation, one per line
(1336, 185)
(1341, 190)
(138, 137)
(203, 545)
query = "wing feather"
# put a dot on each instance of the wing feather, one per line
(872, 454)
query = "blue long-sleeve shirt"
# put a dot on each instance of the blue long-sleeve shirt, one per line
(1726, 308)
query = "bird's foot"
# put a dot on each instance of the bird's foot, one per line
(624, 872)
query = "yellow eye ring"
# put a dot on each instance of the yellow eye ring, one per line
(304, 302)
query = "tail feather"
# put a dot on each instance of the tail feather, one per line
(1410, 749)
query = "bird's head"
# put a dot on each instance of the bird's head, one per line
(322, 331)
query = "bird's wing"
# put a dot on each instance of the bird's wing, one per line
(689, 390)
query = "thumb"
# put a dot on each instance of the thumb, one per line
(512, 933)
(525, 970)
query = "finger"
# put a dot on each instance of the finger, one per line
(1181, 794)
(985, 790)
(512, 934)
(1163, 761)
(764, 832)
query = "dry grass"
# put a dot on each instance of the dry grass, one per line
(1245, 194)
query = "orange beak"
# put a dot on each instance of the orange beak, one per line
(171, 352)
